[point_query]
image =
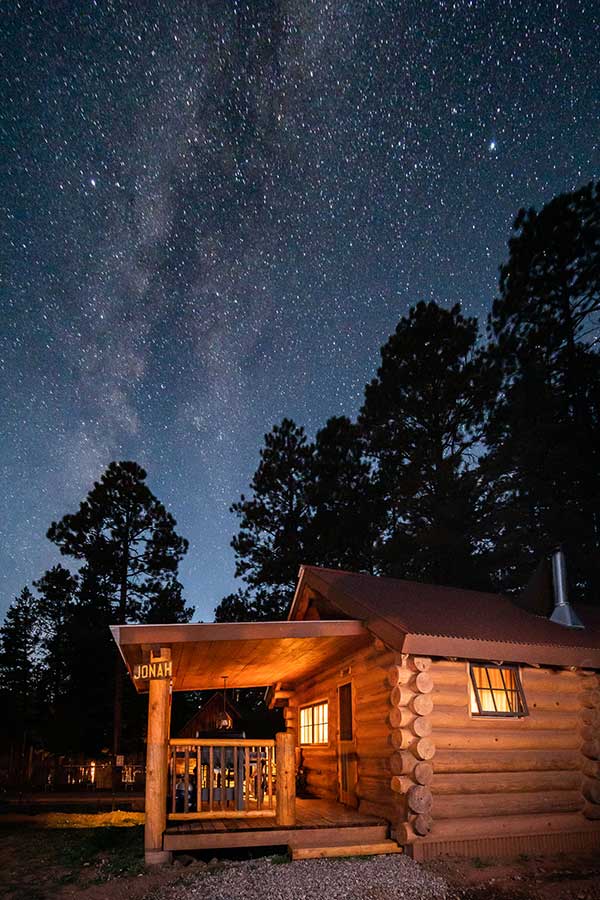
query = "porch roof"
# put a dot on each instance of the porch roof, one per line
(250, 654)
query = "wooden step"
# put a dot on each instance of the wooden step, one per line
(374, 849)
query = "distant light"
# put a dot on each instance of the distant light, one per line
(93, 182)
(492, 146)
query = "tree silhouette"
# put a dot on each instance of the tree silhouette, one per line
(270, 544)
(20, 672)
(421, 420)
(543, 434)
(127, 539)
(346, 512)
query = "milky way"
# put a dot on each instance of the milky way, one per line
(214, 213)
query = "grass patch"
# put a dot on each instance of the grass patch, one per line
(67, 852)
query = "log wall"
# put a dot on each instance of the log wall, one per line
(442, 776)
(485, 768)
(590, 746)
(367, 670)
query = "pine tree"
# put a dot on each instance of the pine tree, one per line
(421, 422)
(543, 435)
(270, 545)
(20, 674)
(127, 539)
(346, 511)
(57, 591)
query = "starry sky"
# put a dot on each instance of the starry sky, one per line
(215, 212)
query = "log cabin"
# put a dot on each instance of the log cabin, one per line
(423, 719)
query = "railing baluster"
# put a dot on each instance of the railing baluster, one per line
(186, 780)
(270, 777)
(235, 778)
(211, 778)
(247, 778)
(222, 794)
(173, 778)
(231, 768)
(259, 784)
(198, 781)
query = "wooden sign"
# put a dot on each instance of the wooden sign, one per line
(153, 670)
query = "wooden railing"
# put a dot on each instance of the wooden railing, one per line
(221, 778)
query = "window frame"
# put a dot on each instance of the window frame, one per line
(520, 713)
(312, 743)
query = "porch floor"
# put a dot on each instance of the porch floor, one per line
(317, 822)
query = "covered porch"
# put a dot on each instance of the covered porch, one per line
(232, 792)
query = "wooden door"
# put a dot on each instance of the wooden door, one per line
(347, 767)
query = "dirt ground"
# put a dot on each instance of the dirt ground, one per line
(55, 856)
(562, 877)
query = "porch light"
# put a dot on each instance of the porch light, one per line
(224, 722)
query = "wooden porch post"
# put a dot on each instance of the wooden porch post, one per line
(285, 789)
(159, 715)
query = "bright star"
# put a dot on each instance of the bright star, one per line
(93, 182)
(492, 146)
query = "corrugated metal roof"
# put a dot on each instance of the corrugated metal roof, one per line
(412, 608)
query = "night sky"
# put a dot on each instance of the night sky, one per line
(214, 214)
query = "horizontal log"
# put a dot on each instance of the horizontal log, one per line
(420, 663)
(591, 749)
(404, 833)
(590, 767)
(422, 748)
(402, 762)
(449, 761)
(455, 806)
(374, 768)
(374, 789)
(401, 695)
(398, 675)
(498, 826)
(505, 739)
(389, 810)
(423, 683)
(591, 790)
(447, 665)
(589, 732)
(459, 696)
(423, 823)
(419, 798)
(403, 739)
(590, 716)
(400, 717)
(422, 704)
(451, 717)
(400, 784)
(506, 782)
(590, 699)
(423, 773)
(534, 675)
(422, 726)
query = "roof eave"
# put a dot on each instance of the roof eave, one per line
(474, 648)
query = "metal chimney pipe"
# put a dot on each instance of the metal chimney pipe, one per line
(563, 613)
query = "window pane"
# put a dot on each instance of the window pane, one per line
(497, 688)
(313, 724)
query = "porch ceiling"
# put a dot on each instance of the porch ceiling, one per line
(250, 654)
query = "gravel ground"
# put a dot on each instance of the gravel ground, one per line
(376, 878)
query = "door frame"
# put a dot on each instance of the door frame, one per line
(346, 755)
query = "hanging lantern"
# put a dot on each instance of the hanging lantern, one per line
(224, 722)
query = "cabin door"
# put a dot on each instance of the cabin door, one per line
(347, 768)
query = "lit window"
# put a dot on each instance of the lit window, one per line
(496, 691)
(313, 724)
